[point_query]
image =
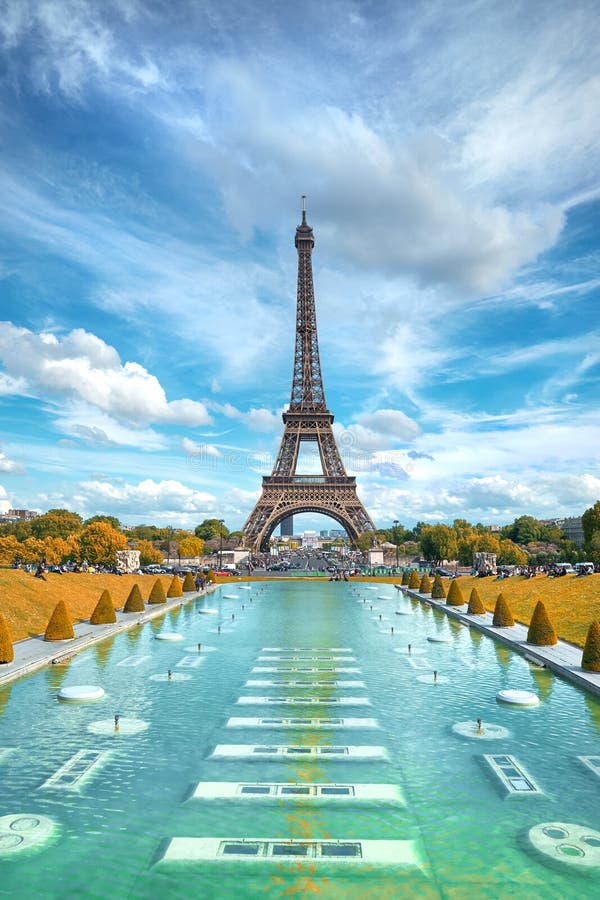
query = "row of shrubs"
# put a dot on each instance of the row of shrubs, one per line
(60, 627)
(541, 632)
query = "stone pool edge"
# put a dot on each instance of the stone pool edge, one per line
(36, 653)
(563, 658)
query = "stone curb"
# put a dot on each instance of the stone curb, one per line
(55, 652)
(563, 658)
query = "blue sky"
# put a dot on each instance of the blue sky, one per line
(152, 161)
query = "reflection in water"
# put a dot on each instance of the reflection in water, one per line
(102, 651)
(544, 680)
(593, 705)
(55, 675)
(5, 697)
(504, 655)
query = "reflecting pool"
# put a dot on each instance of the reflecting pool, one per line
(292, 743)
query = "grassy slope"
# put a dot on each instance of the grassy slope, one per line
(572, 602)
(27, 602)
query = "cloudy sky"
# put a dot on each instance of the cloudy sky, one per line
(152, 160)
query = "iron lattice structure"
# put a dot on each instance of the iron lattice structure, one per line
(286, 492)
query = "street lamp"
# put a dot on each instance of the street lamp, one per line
(396, 523)
(221, 545)
(170, 530)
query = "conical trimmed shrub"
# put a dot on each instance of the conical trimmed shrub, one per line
(503, 617)
(104, 613)
(189, 583)
(425, 586)
(175, 588)
(405, 577)
(590, 660)
(455, 595)
(541, 633)
(210, 575)
(157, 594)
(476, 605)
(135, 601)
(60, 627)
(7, 654)
(414, 581)
(438, 591)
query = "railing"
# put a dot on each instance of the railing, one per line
(333, 481)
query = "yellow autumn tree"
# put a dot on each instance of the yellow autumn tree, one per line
(99, 542)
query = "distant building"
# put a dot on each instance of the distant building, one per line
(573, 529)
(13, 516)
(309, 539)
(287, 527)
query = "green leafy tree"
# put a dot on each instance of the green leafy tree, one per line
(591, 521)
(511, 555)
(110, 520)
(438, 542)
(57, 523)
(211, 529)
(524, 530)
(98, 543)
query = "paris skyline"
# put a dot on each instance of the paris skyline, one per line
(153, 162)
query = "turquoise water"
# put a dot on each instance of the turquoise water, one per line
(112, 832)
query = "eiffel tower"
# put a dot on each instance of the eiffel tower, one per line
(284, 492)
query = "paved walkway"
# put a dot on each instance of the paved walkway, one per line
(563, 658)
(34, 653)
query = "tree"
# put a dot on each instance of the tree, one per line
(476, 607)
(189, 583)
(7, 653)
(364, 541)
(175, 589)
(60, 627)
(590, 660)
(110, 520)
(438, 542)
(414, 581)
(591, 521)
(541, 633)
(148, 553)
(32, 550)
(455, 596)
(191, 546)
(104, 611)
(98, 543)
(57, 550)
(438, 591)
(503, 617)
(134, 602)
(524, 530)
(157, 594)
(511, 555)
(10, 549)
(58, 523)
(211, 529)
(425, 586)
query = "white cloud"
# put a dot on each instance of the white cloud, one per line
(391, 422)
(10, 466)
(83, 367)
(257, 419)
(149, 498)
(4, 502)
(191, 448)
